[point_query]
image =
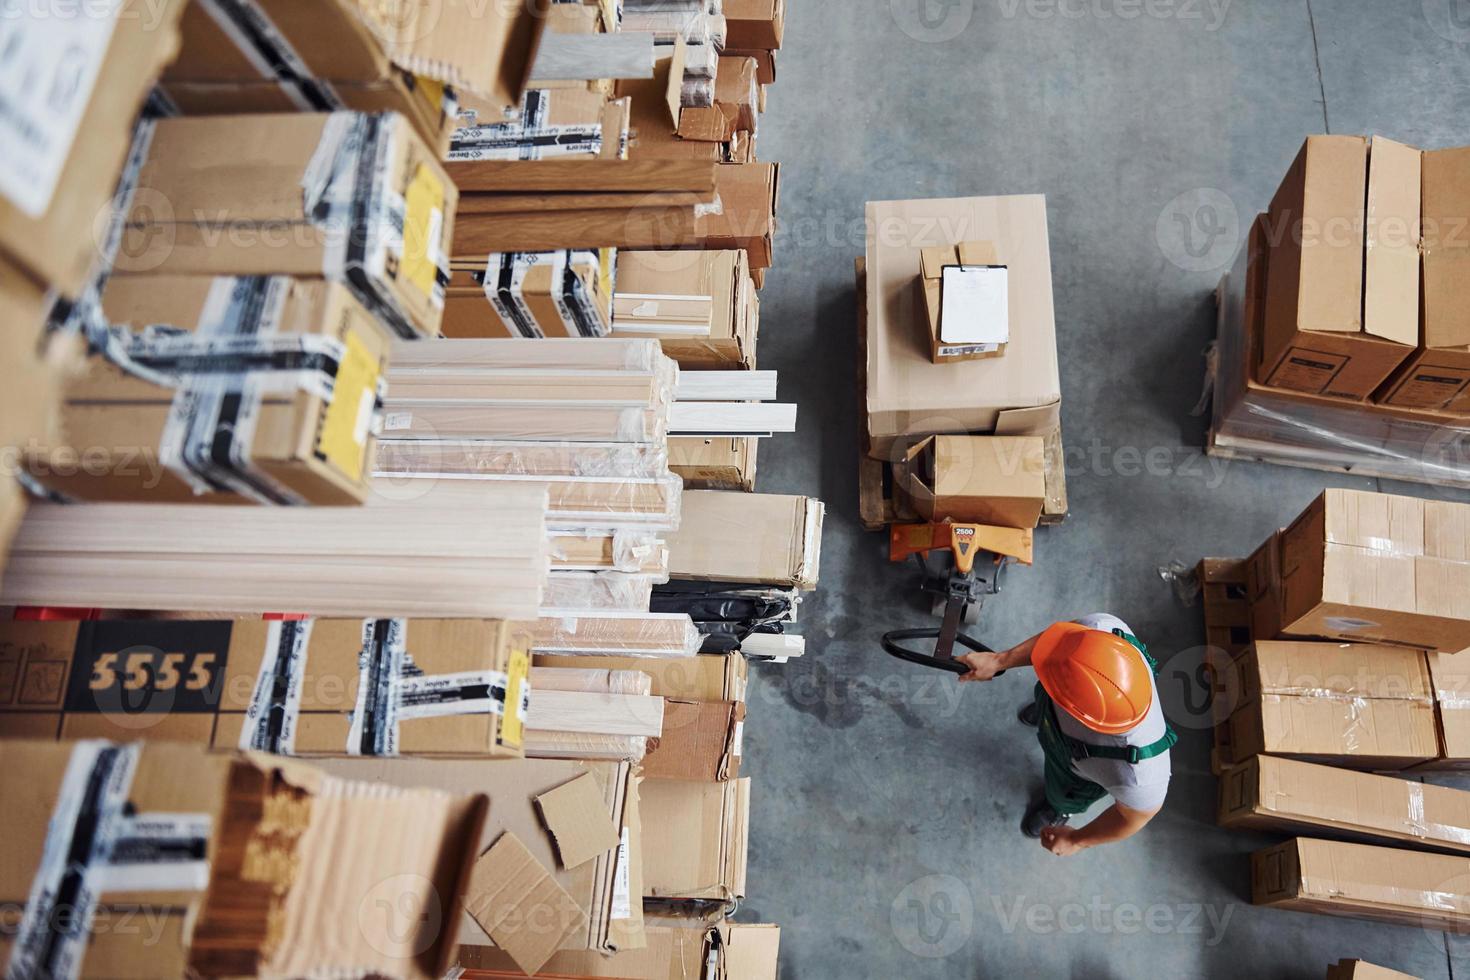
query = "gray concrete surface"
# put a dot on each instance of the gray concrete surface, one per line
(885, 834)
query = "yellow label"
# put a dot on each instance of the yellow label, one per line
(423, 224)
(606, 257)
(344, 436)
(517, 698)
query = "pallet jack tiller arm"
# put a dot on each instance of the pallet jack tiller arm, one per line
(981, 553)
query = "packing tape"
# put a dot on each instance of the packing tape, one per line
(1423, 828)
(528, 137)
(93, 844)
(269, 51)
(1427, 898)
(1328, 694)
(275, 704)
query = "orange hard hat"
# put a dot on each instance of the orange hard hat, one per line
(1098, 678)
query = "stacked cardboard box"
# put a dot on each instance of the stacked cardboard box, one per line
(1340, 342)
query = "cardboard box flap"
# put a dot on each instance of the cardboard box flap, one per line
(520, 905)
(576, 817)
(1391, 243)
(752, 952)
(1038, 420)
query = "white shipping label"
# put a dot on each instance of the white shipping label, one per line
(974, 305)
(50, 57)
(395, 421)
(622, 902)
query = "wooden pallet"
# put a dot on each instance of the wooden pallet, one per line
(881, 500)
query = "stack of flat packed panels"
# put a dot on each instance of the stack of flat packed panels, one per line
(590, 732)
(438, 552)
(729, 403)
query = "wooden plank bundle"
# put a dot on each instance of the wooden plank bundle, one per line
(442, 551)
(621, 634)
(545, 743)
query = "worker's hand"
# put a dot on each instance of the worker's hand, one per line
(1061, 841)
(983, 666)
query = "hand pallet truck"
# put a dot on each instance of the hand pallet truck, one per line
(981, 554)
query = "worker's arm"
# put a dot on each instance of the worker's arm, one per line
(1114, 824)
(984, 666)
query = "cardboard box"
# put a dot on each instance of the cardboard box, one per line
(241, 838)
(716, 463)
(532, 294)
(762, 538)
(749, 196)
(31, 394)
(1287, 796)
(1354, 705)
(650, 281)
(765, 62)
(702, 741)
(593, 906)
(1379, 568)
(754, 23)
(703, 832)
(999, 480)
(979, 325)
(481, 49)
(715, 677)
(298, 426)
(1342, 303)
(294, 688)
(675, 951)
(12, 510)
(1449, 673)
(1383, 884)
(206, 206)
(1358, 970)
(909, 396)
(62, 163)
(736, 105)
(565, 123)
(1438, 375)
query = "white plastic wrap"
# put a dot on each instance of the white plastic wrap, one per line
(590, 681)
(615, 591)
(1292, 429)
(471, 457)
(595, 633)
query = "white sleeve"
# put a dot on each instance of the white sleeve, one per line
(1145, 798)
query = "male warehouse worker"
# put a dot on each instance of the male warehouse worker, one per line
(1101, 727)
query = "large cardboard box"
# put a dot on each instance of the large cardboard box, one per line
(535, 904)
(1379, 568)
(909, 396)
(1438, 375)
(351, 198)
(285, 417)
(650, 281)
(750, 194)
(1355, 705)
(225, 867)
(64, 153)
(676, 951)
(769, 539)
(715, 463)
(701, 741)
(1385, 884)
(317, 53)
(703, 830)
(1293, 797)
(422, 687)
(999, 480)
(1342, 302)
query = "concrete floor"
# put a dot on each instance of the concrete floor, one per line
(885, 834)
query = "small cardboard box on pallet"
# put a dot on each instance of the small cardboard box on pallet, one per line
(996, 480)
(214, 853)
(424, 687)
(1375, 567)
(1355, 705)
(1293, 797)
(64, 152)
(354, 198)
(1342, 301)
(285, 415)
(966, 295)
(1384, 884)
